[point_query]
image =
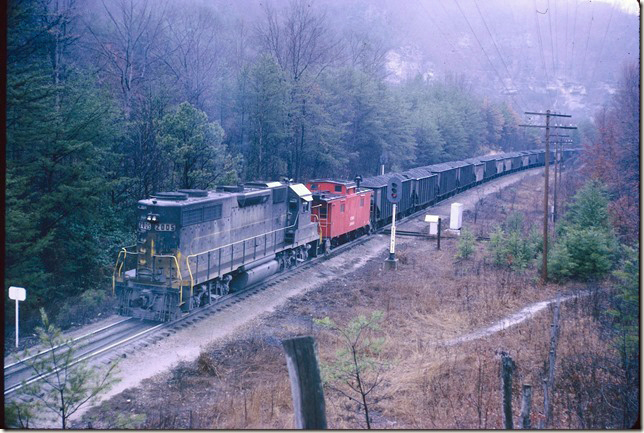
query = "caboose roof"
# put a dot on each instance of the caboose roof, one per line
(346, 183)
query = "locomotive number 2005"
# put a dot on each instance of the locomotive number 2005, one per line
(165, 227)
(161, 227)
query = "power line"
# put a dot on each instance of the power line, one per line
(601, 48)
(440, 30)
(552, 49)
(498, 51)
(556, 35)
(547, 126)
(574, 28)
(565, 62)
(449, 17)
(486, 55)
(543, 60)
(590, 26)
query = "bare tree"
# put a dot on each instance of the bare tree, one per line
(368, 53)
(127, 48)
(304, 47)
(194, 53)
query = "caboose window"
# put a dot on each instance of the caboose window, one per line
(314, 186)
(338, 188)
(361, 201)
(341, 208)
(212, 212)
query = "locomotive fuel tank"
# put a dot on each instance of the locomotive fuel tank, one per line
(254, 275)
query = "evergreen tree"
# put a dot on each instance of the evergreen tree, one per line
(59, 130)
(193, 152)
(267, 108)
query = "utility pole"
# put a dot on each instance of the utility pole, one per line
(558, 157)
(548, 114)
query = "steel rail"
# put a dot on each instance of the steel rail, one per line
(82, 358)
(82, 337)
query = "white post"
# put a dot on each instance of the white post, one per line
(391, 262)
(18, 294)
(16, 323)
(392, 244)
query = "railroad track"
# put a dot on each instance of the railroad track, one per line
(128, 335)
(20, 373)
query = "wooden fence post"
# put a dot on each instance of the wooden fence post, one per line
(438, 235)
(526, 404)
(507, 365)
(549, 383)
(306, 385)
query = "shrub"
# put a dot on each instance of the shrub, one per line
(90, 305)
(509, 246)
(513, 222)
(589, 207)
(582, 253)
(466, 245)
(586, 245)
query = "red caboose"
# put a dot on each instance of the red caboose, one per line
(341, 208)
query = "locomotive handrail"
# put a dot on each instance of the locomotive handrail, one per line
(188, 257)
(176, 262)
(319, 225)
(124, 251)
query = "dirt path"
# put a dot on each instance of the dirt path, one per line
(507, 322)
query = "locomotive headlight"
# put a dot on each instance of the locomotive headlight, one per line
(154, 218)
(149, 218)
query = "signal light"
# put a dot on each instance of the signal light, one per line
(392, 189)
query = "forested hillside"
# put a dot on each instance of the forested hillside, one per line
(109, 102)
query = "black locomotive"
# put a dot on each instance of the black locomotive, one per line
(196, 245)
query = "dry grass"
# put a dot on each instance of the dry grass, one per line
(431, 298)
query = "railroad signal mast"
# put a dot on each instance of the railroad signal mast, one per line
(547, 126)
(394, 192)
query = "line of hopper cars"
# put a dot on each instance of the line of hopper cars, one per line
(195, 245)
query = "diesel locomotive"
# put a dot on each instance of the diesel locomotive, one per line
(194, 246)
